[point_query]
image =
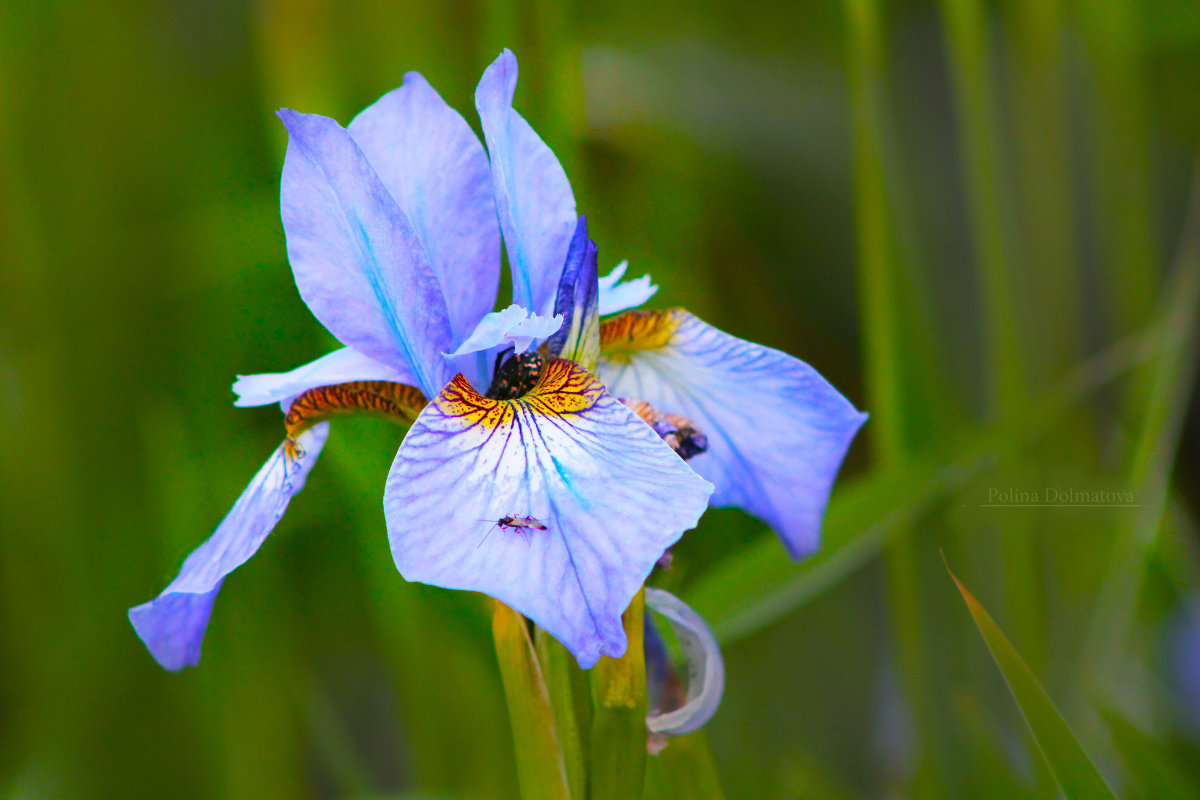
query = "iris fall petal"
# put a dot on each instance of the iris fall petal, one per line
(173, 624)
(777, 431)
(568, 456)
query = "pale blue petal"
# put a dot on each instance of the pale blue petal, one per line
(173, 624)
(358, 263)
(777, 431)
(533, 197)
(706, 668)
(617, 295)
(340, 366)
(436, 170)
(610, 493)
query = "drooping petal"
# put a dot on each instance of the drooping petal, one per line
(436, 170)
(340, 366)
(358, 263)
(557, 503)
(777, 431)
(172, 625)
(533, 197)
(617, 295)
(578, 339)
(706, 668)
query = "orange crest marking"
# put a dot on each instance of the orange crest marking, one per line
(564, 388)
(395, 401)
(634, 331)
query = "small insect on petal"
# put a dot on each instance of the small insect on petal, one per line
(514, 522)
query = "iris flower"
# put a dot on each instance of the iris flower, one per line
(550, 460)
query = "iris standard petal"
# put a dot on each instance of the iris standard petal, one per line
(533, 197)
(557, 503)
(358, 263)
(436, 170)
(617, 295)
(340, 366)
(173, 624)
(777, 431)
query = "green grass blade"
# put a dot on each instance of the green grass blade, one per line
(1074, 772)
(1153, 459)
(1153, 768)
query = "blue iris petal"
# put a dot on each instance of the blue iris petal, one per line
(173, 624)
(357, 260)
(558, 503)
(436, 170)
(533, 196)
(340, 366)
(777, 431)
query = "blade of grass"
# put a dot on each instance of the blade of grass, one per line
(880, 306)
(1154, 769)
(1074, 772)
(1122, 158)
(1153, 458)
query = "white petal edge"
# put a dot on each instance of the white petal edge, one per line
(706, 668)
(340, 366)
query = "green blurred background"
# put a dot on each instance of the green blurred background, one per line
(971, 217)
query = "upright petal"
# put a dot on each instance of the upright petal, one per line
(557, 503)
(578, 339)
(533, 197)
(617, 295)
(358, 263)
(777, 431)
(436, 170)
(340, 366)
(172, 625)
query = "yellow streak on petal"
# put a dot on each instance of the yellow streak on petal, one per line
(395, 401)
(564, 388)
(634, 331)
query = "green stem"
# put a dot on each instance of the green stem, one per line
(572, 704)
(540, 767)
(618, 742)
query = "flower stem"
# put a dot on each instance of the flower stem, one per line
(540, 766)
(572, 704)
(618, 742)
